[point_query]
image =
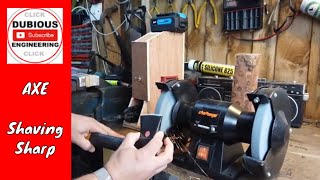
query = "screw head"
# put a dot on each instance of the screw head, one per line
(268, 174)
(212, 129)
(256, 100)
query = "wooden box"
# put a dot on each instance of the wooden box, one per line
(155, 55)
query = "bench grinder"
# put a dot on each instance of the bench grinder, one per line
(208, 134)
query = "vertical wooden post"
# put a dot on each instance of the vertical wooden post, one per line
(148, 7)
(267, 48)
(216, 42)
(293, 48)
(313, 104)
(245, 79)
(110, 40)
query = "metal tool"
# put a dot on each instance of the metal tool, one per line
(150, 124)
(214, 10)
(208, 133)
(194, 9)
(154, 9)
(126, 56)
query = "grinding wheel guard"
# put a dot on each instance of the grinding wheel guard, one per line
(270, 165)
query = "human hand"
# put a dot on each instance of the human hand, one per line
(128, 162)
(81, 126)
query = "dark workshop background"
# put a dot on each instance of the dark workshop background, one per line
(292, 56)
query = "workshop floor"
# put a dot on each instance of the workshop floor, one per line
(303, 157)
(302, 160)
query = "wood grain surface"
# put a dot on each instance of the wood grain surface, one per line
(215, 39)
(245, 79)
(291, 56)
(293, 49)
(313, 104)
(196, 37)
(267, 48)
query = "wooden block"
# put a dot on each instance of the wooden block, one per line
(153, 56)
(140, 71)
(245, 79)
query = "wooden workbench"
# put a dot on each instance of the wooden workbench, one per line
(302, 159)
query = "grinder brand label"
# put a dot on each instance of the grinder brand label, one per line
(209, 114)
(34, 36)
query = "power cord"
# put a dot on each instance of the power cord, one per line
(94, 27)
(122, 2)
(139, 14)
(283, 27)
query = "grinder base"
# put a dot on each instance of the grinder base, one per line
(222, 161)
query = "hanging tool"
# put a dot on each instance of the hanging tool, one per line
(214, 9)
(195, 13)
(171, 6)
(137, 19)
(126, 56)
(154, 10)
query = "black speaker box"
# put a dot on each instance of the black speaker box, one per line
(220, 88)
(297, 95)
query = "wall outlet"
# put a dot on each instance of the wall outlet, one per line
(96, 11)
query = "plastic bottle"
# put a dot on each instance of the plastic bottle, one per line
(310, 7)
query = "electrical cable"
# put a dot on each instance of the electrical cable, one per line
(122, 2)
(276, 31)
(101, 33)
(138, 16)
(79, 7)
(283, 27)
(94, 27)
(104, 66)
(87, 12)
(90, 64)
(107, 34)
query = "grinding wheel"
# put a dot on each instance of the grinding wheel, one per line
(261, 130)
(164, 107)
